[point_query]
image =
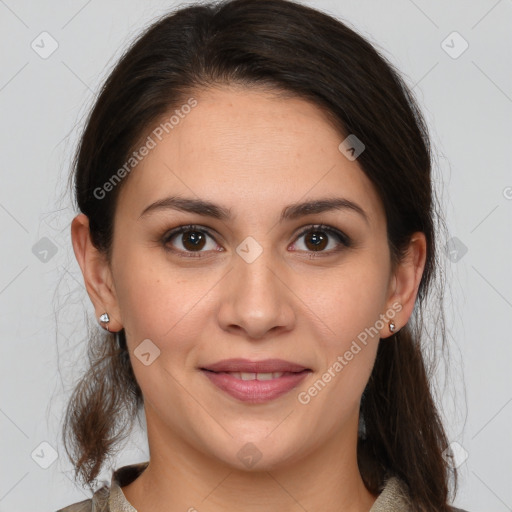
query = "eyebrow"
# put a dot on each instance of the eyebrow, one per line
(290, 212)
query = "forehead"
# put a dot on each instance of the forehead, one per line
(248, 149)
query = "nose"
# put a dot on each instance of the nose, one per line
(256, 300)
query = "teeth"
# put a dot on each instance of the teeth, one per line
(256, 376)
(265, 376)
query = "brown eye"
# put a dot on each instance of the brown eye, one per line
(316, 241)
(187, 240)
(193, 240)
(319, 238)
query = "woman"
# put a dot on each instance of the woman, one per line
(257, 236)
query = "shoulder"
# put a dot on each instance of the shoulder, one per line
(81, 506)
(109, 496)
(394, 497)
(98, 503)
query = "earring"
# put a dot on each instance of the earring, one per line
(120, 344)
(392, 327)
(105, 319)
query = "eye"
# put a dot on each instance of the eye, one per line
(188, 240)
(319, 237)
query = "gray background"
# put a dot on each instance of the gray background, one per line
(467, 100)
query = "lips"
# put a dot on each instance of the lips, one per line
(255, 381)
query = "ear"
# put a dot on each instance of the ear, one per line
(96, 272)
(404, 284)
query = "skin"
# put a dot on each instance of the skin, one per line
(255, 154)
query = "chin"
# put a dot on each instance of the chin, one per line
(258, 453)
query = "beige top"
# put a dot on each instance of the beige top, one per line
(393, 497)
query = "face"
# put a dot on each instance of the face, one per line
(255, 277)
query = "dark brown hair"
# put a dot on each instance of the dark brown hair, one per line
(286, 47)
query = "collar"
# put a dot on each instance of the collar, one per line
(117, 501)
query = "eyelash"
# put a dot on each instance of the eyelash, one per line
(343, 239)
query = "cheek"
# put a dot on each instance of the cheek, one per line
(349, 300)
(348, 355)
(160, 301)
(350, 306)
(142, 287)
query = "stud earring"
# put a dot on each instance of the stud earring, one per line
(392, 327)
(105, 319)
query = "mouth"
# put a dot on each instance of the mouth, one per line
(255, 381)
(240, 365)
(255, 376)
